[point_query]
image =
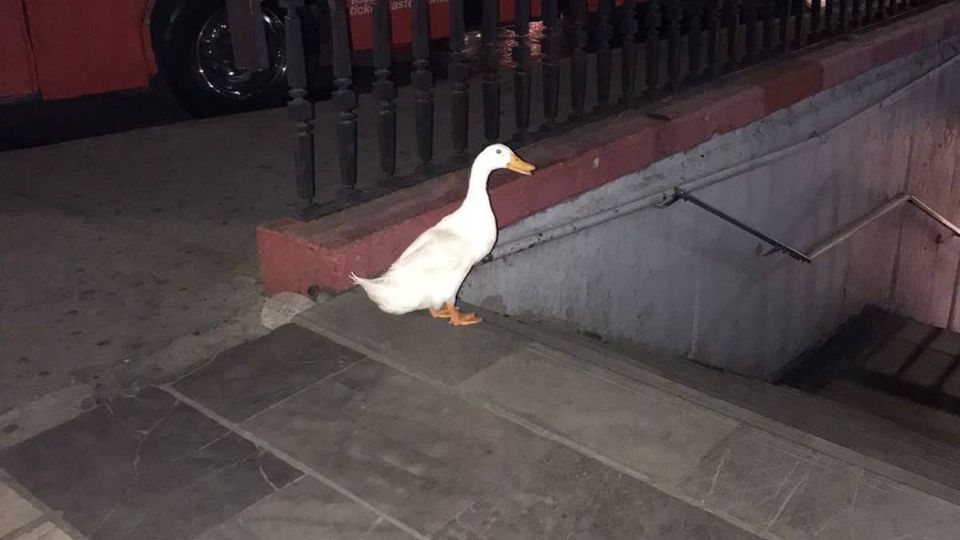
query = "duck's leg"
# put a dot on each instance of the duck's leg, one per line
(461, 319)
(442, 313)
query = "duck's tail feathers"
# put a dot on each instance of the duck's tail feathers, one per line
(375, 292)
(361, 281)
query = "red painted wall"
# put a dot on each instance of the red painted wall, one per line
(88, 46)
(17, 77)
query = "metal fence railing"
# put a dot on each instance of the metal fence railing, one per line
(622, 53)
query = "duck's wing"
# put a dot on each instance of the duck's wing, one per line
(437, 250)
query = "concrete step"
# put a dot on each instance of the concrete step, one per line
(893, 367)
(929, 422)
(845, 432)
(770, 459)
(919, 356)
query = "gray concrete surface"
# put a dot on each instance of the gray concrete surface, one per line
(751, 465)
(682, 282)
(117, 248)
(320, 430)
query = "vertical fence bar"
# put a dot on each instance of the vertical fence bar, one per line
(842, 21)
(651, 45)
(750, 31)
(550, 64)
(422, 81)
(674, 13)
(768, 11)
(828, 17)
(459, 80)
(344, 97)
(815, 7)
(855, 16)
(384, 88)
(798, 37)
(783, 9)
(732, 22)
(491, 73)
(299, 108)
(882, 9)
(868, 12)
(714, 66)
(521, 72)
(604, 55)
(695, 39)
(629, 69)
(578, 63)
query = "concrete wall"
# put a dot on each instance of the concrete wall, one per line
(680, 281)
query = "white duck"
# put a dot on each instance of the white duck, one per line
(429, 273)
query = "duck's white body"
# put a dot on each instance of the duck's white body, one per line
(430, 272)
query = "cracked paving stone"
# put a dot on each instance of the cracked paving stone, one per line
(306, 510)
(569, 495)
(249, 378)
(144, 466)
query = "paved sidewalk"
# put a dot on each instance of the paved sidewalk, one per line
(117, 246)
(23, 518)
(355, 424)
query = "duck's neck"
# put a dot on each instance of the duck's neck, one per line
(477, 198)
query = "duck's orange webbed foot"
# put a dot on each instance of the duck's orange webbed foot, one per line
(461, 319)
(442, 313)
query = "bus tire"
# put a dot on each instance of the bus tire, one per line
(193, 50)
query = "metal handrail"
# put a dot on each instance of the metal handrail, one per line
(831, 241)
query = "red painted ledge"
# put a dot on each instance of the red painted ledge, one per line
(365, 239)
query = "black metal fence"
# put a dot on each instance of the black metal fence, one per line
(653, 47)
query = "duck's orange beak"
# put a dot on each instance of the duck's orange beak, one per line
(520, 166)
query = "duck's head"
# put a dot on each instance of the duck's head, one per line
(499, 156)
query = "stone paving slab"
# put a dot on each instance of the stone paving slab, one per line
(606, 412)
(45, 531)
(928, 368)
(419, 453)
(251, 377)
(348, 436)
(890, 357)
(947, 342)
(15, 511)
(915, 332)
(417, 342)
(951, 386)
(799, 493)
(569, 495)
(640, 426)
(305, 510)
(144, 466)
(415, 452)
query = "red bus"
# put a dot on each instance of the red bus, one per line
(57, 49)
